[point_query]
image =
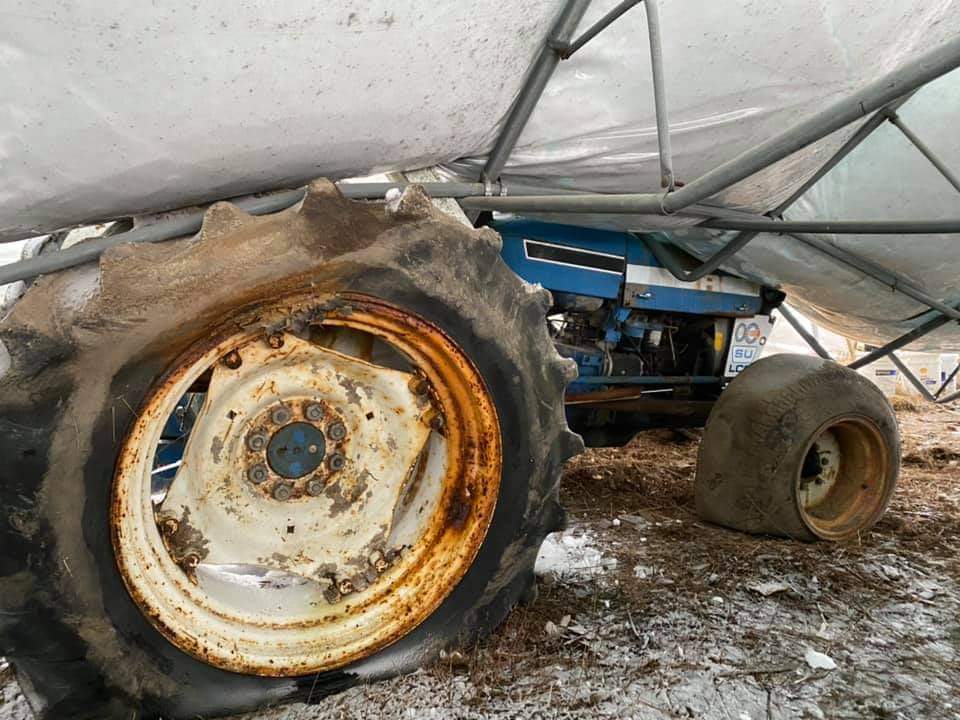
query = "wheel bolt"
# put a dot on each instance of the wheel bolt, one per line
(275, 340)
(282, 492)
(169, 526)
(281, 416)
(257, 473)
(314, 486)
(345, 587)
(257, 440)
(336, 462)
(313, 412)
(419, 385)
(191, 560)
(232, 360)
(337, 431)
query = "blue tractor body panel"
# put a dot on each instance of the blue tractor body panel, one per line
(566, 258)
(616, 266)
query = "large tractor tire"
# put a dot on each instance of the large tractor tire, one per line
(365, 480)
(798, 447)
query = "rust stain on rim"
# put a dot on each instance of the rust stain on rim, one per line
(863, 484)
(387, 611)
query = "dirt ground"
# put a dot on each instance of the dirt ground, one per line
(644, 612)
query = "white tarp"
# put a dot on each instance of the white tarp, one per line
(116, 108)
(737, 73)
(110, 108)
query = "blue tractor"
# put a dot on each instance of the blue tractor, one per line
(651, 350)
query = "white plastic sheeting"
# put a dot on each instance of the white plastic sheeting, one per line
(737, 73)
(885, 178)
(109, 109)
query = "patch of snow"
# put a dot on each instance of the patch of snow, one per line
(392, 199)
(571, 554)
(819, 661)
(768, 588)
(13, 705)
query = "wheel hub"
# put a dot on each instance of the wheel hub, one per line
(842, 483)
(296, 446)
(296, 450)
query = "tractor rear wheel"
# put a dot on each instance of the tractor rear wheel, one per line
(798, 447)
(290, 454)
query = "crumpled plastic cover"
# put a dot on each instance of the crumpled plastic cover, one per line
(738, 73)
(110, 109)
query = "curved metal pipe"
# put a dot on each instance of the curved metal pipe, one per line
(708, 266)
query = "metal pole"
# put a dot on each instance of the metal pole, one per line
(664, 257)
(544, 65)
(188, 223)
(946, 382)
(880, 274)
(803, 332)
(929, 326)
(660, 95)
(922, 147)
(892, 86)
(949, 398)
(862, 133)
(650, 380)
(914, 380)
(599, 26)
(837, 227)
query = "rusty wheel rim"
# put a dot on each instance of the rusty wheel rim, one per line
(430, 470)
(845, 479)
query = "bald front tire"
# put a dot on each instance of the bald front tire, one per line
(760, 432)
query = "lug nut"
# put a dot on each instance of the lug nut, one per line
(419, 385)
(275, 340)
(281, 416)
(378, 562)
(191, 560)
(313, 412)
(314, 486)
(257, 473)
(345, 587)
(337, 431)
(257, 440)
(169, 526)
(336, 462)
(282, 492)
(232, 360)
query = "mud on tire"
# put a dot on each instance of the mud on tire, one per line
(82, 349)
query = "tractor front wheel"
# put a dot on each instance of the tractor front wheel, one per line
(798, 447)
